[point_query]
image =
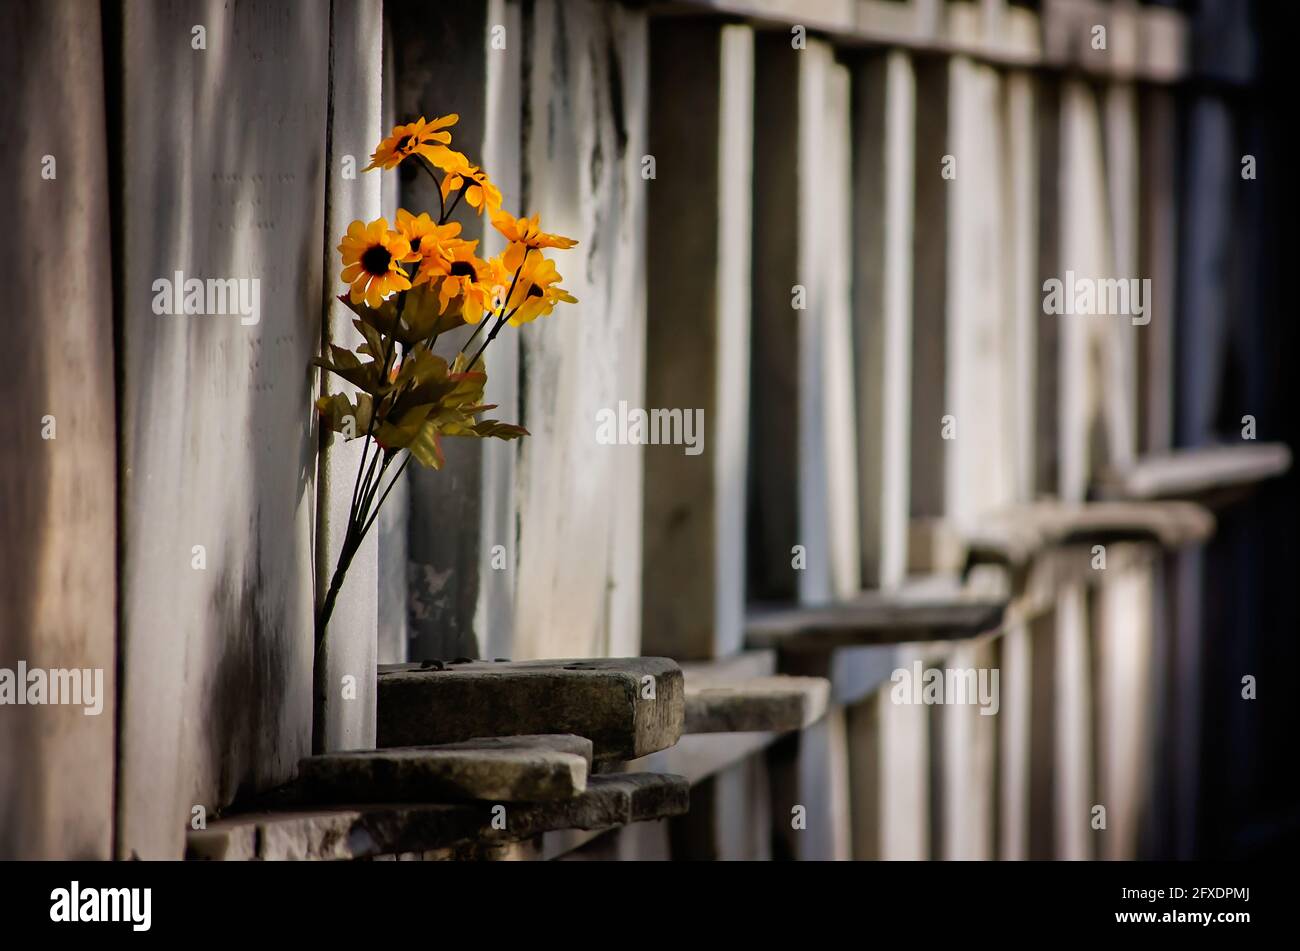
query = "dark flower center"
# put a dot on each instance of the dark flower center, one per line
(415, 244)
(376, 259)
(406, 143)
(463, 269)
(534, 291)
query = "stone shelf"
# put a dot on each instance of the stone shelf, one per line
(1015, 536)
(775, 703)
(495, 769)
(627, 707)
(1203, 475)
(366, 831)
(875, 618)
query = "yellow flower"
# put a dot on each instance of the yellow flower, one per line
(471, 282)
(481, 193)
(430, 242)
(537, 291)
(525, 233)
(372, 256)
(416, 138)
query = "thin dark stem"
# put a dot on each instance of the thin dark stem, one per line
(396, 475)
(499, 315)
(369, 497)
(421, 161)
(456, 201)
(496, 329)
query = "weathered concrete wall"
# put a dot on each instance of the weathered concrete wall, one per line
(57, 495)
(345, 667)
(224, 177)
(579, 523)
(699, 232)
(464, 57)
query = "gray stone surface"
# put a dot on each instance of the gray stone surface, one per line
(223, 177)
(875, 618)
(345, 719)
(763, 704)
(57, 496)
(1198, 474)
(502, 769)
(1014, 536)
(604, 699)
(349, 833)
(577, 537)
(698, 229)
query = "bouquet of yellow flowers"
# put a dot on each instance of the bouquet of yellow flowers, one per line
(407, 286)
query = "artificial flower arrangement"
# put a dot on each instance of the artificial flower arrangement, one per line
(407, 286)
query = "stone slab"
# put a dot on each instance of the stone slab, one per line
(348, 832)
(875, 617)
(1014, 536)
(1196, 473)
(762, 704)
(499, 769)
(605, 699)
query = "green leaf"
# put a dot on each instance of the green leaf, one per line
(496, 429)
(374, 345)
(399, 435)
(339, 414)
(426, 448)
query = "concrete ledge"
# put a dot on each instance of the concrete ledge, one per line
(875, 618)
(1014, 537)
(352, 832)
(765, 704)
(1147, 43)
(496, 769)
(627, 707)
(1202, 475)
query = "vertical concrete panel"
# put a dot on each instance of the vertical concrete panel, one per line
(828, 478)
(465, 57)
(905, 787)
(435, 75)
(1124, 707)
(345, 719)
(57, 495)
(494, 617)
(969, 764)
(395, 516)
(810, 792)
(1043, 738)
(772, 513)
(224, 177)
(803, 458)
(580, 508)
(1158, 255)
(1014, 749)
(1074, 738)
(884, 143)
(699, 232)
(1211, 176)
(1023, 295)
(930, 290)
(1084, 250)
(979, 462)
(1120, 388)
